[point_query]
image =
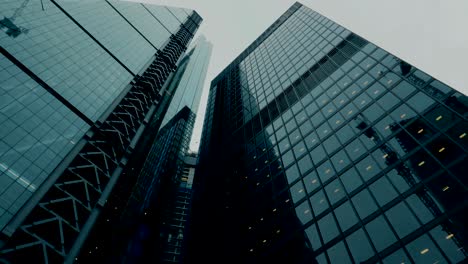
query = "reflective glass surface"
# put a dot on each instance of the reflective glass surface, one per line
(36, 133)
(370, 149)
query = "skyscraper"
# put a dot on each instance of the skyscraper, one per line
(84, 86)
(320, 147)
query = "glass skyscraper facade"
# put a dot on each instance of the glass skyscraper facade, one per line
(320, 147)
(84, 85)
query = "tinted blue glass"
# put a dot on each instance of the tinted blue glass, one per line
(62, 55)
(36, 132)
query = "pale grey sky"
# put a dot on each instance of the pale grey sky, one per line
(430, 34)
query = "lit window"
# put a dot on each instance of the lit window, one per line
(441, 149)
(369, 168)
(251, 250)
(438, 118)
(445, 188)
(403, 116)
(264, 241)
(278, 231)
(254, 157)
(421, 163)
(287, 201)
(424, 251)
(274, 210)
(449, 236)
(462, 135)
(420, 131)
(385, 156)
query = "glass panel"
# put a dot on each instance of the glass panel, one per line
(351, 180)
(359, 246)
(338, 254)
(364, 203)
(319, 202)
(73, 65)
(36, 132)
(313, 236)
(402, 220)
(335, 191)
(112, 31)
(303, 212)
(397, 257)
(380, 233)
(448, 243)
(423, 250)
(383, 191)
(297, 191)
(346, 216)
(328, 228)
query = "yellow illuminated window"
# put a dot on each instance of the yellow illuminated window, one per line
(441, 149)
(445, 188)
(438, 118)
(449, 236)
(420, 131)
(424, 251)
(421, 163)
(462, 135)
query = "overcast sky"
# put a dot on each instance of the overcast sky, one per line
(430, 34)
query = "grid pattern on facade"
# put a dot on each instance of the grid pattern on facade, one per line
(50, 231)
(365, 150)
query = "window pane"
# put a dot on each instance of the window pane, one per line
(359, 246)
(380, 233)
(346, 216)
